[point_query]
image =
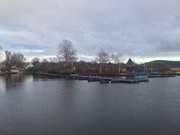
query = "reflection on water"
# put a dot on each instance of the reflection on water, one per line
(35, 106)
(12, 82)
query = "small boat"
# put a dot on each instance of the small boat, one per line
(141, 77)
(124, 81)
(94, 79)
(104, 81)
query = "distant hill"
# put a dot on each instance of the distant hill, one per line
(172, 64)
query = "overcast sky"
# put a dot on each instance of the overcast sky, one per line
(137, 28)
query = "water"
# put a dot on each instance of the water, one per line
(32, 106)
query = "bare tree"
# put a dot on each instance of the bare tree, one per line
(35, 61)
(18, 60)
(14, 59)
(66, 52)
(102, 57)
(53, 60)
(7, 62)
(45, 60)
(117, 59)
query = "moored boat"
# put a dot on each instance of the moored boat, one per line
(141, 77)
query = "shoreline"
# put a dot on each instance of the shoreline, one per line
(104, 79)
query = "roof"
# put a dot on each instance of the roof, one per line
(130, 62)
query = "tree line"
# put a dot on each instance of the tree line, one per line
(66, 58)
(66, 54)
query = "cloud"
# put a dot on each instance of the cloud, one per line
(132, 27)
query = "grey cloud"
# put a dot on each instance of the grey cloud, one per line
(134, 27)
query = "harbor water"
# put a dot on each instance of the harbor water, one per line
(42, 106)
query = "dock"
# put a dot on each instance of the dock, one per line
(101, 80)
(124, 81)
(162, 75)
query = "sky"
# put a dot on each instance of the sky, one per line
(141, 29)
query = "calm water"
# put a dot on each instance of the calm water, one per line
(31, 106)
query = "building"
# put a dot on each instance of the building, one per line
(131, 66)
(15, 70)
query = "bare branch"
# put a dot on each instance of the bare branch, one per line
(66, 52)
